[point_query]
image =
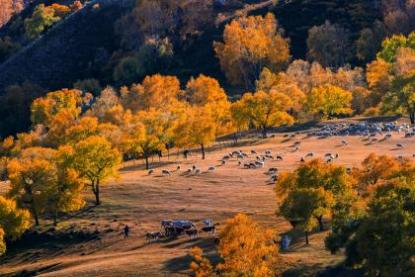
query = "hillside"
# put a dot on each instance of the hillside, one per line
(67, 50)
(142, 201)
(92, 33)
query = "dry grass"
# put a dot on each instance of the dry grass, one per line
(142, 201)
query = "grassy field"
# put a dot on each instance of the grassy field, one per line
(142, 201)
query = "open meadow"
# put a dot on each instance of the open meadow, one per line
(142, 201)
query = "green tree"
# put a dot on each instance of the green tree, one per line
(383, 243)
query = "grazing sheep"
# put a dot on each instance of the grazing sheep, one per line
(239, 163)
(279, 158)
(152, 236)
(151, 171)
(388, 136)
(222, 162)
(192, 233)
(272, 170)
(344, 142)
(197, 171)
(212, 168)
(178, 168)
(259, 164)
(165, 172)
(302, 160)
(399, 145)
(188, 171)
(253, 152)
(310, 154)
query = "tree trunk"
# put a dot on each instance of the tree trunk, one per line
(306, 238)
(202, 148)
(412, 118)
(96, 192)
(34, 212)
(146, 160)
(235, 139)
(168, 153)
(55, 217)
(320, 223)
(264, 132)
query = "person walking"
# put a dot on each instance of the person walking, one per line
(126, 231)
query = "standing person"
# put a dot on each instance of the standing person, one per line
(126, 231)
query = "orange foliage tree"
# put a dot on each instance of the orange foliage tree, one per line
(250, 44)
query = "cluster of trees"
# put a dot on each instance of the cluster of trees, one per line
(368, 209)
(246, 249)
(255, 55)
(153, 31)
(44, 17)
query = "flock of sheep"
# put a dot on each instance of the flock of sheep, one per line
(255, 159)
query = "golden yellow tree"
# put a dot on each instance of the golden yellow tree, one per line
(206, 92)
(2, 242)
(201, 127)
(157, 91)
(200, 265)
(250, 44)
(45, 108)
(265, 110)
(32, 176)
(246, 248)
(328, 101)
(13, 221)
(43, 180)
(96, 160)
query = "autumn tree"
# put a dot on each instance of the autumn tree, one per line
(42, 18)
(329, 45)
(269, 81)
(246, 248)
(302, 207)
(43, 180)
(96, 160)
(13, 221)
(157, 91)
(369, 42)
(265, 110)
(395, 71)
(320, 184)
(250, 44)
(206, 92)
(200, 265)
(328, 101)
(44, 109)
(383, 241)
(148, 133)
(32, 176)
